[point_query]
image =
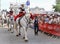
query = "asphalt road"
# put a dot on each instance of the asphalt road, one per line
(8, 38)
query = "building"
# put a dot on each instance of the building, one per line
(38, 10)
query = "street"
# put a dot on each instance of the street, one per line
(9, 38)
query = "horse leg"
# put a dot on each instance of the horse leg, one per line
(9, 27)
(19, 28)
(8, 24)
(25, 34)
(16, 30)
(12, 29)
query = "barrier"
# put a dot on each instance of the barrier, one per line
(50, 28)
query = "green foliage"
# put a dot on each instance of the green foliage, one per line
(57, 7)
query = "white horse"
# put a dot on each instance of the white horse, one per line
(11, 23)
(24, 24)
(4, 17)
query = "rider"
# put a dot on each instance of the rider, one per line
(10, 13)
(21, 13)
(11, 16)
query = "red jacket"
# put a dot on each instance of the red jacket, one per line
(10, 13)
(22, 14)
(19, 15)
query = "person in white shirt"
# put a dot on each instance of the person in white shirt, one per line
(50, 19)
(58, 19)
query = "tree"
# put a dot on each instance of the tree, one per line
(57, 7)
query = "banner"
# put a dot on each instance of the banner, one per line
(50, 28)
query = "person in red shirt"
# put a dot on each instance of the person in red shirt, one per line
(10, 20)
(11, 12)
(11, 15)
(21, 13)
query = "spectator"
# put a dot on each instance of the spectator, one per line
(36, 25)
(47, 19)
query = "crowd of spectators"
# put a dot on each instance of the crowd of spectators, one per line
(51, 19)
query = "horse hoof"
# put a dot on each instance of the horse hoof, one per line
(12, 32)
(17, 35)
(26, 40)
(23, 37)
(8, 30)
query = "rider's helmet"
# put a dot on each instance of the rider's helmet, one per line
(22, 9)
(22, 5)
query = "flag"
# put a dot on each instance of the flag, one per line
(27, 2)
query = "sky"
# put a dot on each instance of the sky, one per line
(46, 4)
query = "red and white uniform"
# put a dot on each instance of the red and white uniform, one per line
(10, 13)
(21, 13)
(11, 16)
